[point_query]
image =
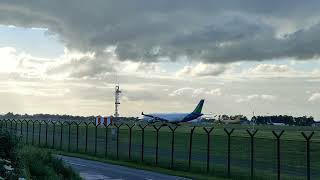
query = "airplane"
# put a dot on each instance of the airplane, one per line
(174, 118)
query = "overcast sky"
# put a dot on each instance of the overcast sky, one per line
(241, 56)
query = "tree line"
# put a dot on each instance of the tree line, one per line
(51, 117)
(285, 119)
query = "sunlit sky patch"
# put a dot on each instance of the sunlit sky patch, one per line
(36, 41)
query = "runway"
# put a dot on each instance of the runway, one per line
(93, 170)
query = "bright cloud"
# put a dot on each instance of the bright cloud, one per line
(9, 60)
(180, 91)
(270, 68)
(195, 92)
(314, 97)
(201, 70)
(216, 92)
(263, 97)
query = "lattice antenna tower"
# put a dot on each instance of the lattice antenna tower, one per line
(253, 120)
(117, 93)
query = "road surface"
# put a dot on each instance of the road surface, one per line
(93, 170)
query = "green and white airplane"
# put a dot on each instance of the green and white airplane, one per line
(174, 118)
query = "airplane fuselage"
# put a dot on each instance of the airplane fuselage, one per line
(174, 117)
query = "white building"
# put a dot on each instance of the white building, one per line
(103, 120)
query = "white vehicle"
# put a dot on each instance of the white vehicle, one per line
(230, 119)
(174, 118)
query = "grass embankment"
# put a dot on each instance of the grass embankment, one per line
(18, 161)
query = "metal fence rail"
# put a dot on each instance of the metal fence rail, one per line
(181, 148)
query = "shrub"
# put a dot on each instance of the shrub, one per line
(40, 164)
(8, 156)
(17, 161)
(8, 144)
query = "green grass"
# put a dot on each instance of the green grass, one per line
(293, 146)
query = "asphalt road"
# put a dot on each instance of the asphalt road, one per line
(93, 170)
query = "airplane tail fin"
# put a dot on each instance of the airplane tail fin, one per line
(198, 109)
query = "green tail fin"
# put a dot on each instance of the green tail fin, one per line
(198, 109)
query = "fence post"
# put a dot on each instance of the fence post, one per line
(142, 140)
(32, 133)
(11, 126)
(21, 127)
(278, 135)
(229, 142)
(46, 133)
(157, 141)
(39, 142)
(16, 127)
(2, 124)
(77, 137)
(27, 132)
(130, 135)
(118, 127)
(86, 147)
(190, 146)
(106, 147)
(252, 134)
(95, 139)
(69, 134)
(61, 133)
(53, 133)
(208, 131)
(308, 137)
(6, 123)
(172, 142)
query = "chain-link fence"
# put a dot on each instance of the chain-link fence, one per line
(228, 152)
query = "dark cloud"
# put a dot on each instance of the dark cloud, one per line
(208, 30)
